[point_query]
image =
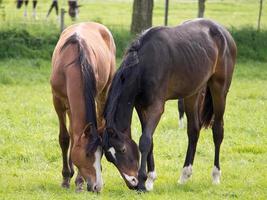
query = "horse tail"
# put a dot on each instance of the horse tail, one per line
(88, 76)
(206, 112)
(218, 34)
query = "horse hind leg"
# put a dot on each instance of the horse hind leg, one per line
(64, 141)
(218, 100)
(26, 7)
(193, 128)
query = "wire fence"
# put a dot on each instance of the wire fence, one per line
(118, 13)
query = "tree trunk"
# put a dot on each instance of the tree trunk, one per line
(166, 12)
(201, 8)
(142, 15)
(259, 19)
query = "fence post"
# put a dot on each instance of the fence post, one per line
(62, 13)
(166, 12)
(259, 19)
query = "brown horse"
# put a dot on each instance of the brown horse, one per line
(83, 65)
(169, 63)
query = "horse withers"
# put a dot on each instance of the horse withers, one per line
(83, 65)
(169, 63)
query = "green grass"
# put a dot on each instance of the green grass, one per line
(31, 161)
(30, 158)
(118, 13)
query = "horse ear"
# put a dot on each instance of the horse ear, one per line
(112, 133)
(88, 129)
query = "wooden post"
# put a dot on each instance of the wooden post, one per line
(201, 8)
(166, 12)
(62, 13)
(259, 19)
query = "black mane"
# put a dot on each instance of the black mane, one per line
(128, 73)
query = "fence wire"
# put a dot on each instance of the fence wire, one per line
(118, 13)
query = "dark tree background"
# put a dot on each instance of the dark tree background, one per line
(142, 15)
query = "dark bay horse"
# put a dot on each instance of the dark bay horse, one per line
(169, 63)
(83, 65)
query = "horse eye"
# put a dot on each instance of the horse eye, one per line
(123, 150)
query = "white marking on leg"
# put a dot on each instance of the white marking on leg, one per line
(25, 12)
(216, 174)
(97, 165)
(181, 123)
(186, 174)
(113, 152)
(34, 13)
(131, 179)
(151, 177)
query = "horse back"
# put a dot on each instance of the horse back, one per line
(178, 61)
(100, 49)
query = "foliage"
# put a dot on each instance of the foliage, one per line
(20, 43)
(251, 44)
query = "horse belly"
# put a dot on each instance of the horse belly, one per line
(184, 83)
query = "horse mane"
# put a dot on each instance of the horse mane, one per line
(89, 81)
(128, 73)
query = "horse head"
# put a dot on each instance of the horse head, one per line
(123, 152)
(86, 155)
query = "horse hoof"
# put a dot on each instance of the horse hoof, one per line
(151, 177)
(79, 189)
(65, 185)
(186, 174)
(141, 188)
(216, 174)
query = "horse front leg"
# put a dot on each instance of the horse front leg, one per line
(79, 182)
(150, 118)
(151, 174)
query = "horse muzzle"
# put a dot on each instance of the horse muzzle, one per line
(94, 188)
(131, 181)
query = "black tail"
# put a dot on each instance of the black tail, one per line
(87, 74)
(206, 112)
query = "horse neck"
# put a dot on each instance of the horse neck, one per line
(123, 116)
(121, 109)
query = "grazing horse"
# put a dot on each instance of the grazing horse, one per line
(73, 9)
(168, 63)
(34, 4)
(83, 65)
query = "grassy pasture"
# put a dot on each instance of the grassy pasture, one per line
(30, 154)
(118, 13)
(30, 157)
